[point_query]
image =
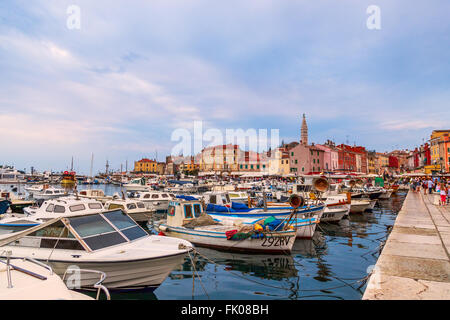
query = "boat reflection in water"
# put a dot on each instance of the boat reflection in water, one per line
(271, 267)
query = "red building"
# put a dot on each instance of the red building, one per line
(393, 162)
(346, 158)
(352, 159)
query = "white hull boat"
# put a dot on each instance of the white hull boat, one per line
(110, 242)
(386, 194)
(28, 279)
(359, 206)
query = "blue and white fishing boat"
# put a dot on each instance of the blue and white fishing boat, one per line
(187, 220)
(221, 209)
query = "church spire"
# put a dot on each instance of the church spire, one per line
(304, 132)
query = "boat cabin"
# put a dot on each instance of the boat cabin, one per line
(154, 196)
(65, 206)
(182, 211)
(127, 205)
(93, 193)
(219, 198)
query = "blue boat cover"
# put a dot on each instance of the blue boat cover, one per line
(189, 198)
(4, 205)
(239, 206)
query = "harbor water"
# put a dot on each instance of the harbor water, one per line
(332, 265)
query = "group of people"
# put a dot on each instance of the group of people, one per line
(430, 185)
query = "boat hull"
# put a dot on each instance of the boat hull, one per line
(334, 214)
(274, 243)
(305, 221)
(120, 275)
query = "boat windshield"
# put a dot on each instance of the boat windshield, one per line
(108, 229)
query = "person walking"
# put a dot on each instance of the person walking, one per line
(443, 195)
(430, 186)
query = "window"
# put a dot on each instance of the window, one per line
(119, 219)
(95, 206)
(78, 207)
(90, 225)
(296, 161)
(188, 211)
(257, 166)
(303, 168)
(140, 205)
(155, 196)
(146, 196)
(115, 206)
(96, 232)
(131, 206)
(292, 153)
(165, 195)
(50, 208)
(314, 160)
(212, 199)
(197, 210)
(171, 211)
(55, 230)
(59, 209)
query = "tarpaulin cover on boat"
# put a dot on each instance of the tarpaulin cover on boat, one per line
(189, 198)
(239, 206)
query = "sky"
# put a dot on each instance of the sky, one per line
(136, 71)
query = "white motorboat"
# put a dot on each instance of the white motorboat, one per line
(133, 207)
(238, 196)
(9, 175)
(28, 279)
(187, 220)
(138, 184)
(386, 194)
(110, 242)
(32, 189)
(155, 200)
(49, 209)
(361, 205)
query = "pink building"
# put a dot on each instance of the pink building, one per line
(330, 157)
(306, 159)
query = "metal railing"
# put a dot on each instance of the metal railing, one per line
(98, 285)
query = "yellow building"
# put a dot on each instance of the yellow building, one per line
(438, 150)
(381, 162)
(189, 166)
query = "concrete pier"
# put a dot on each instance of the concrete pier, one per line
(415, 261)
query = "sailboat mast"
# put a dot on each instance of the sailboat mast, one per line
(92, 163)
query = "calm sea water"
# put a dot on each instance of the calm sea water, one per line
(330, 266)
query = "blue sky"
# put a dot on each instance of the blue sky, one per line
(137, 71)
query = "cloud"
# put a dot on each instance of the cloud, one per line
(135, 72)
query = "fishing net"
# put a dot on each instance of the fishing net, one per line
(203, 220)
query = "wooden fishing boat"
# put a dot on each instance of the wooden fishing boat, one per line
(187, 220)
